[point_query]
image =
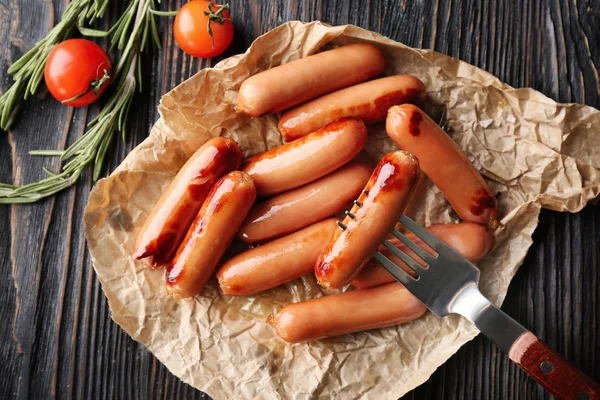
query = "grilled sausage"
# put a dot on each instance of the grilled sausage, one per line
(353, 311)
(444, 163)
(277, 262)
(290, 84)
(379, 207)
(171, 217)
(305, 205)
(298, 163)
(210, 234)
(473, 241)
(368, 101)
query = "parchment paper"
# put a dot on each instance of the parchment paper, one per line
(535, 153)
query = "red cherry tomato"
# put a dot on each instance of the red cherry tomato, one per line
(77, 72)
(192, 28)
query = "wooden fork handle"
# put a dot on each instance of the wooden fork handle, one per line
(558, 376)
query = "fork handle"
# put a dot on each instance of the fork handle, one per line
(558, 376)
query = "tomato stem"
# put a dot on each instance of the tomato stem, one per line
(215, 16)
(95, 85)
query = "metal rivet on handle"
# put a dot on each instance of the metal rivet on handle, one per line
(546, 367)
(583, 396)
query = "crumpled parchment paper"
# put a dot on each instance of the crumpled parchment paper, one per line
(535, 153)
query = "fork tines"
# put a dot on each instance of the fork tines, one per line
(428, 238)
(444, 276)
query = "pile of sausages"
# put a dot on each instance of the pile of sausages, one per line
(328, 101)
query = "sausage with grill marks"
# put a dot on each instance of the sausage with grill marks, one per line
(211, 233)
(171, 217)
(372, 218)
(368, 101)
(444, 163)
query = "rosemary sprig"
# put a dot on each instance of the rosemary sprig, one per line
(131, 33)
(28, 70)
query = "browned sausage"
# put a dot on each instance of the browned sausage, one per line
(171, 217)
(473, 241)
(368, 101)
(305, 205)
(298, 163)
(277, 262)
(353, 311)
(298, 81)
(444, 163)
(210, 234)
(380, 206)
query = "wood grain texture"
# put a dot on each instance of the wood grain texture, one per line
(57, 338)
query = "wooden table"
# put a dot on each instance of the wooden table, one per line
(56, 335)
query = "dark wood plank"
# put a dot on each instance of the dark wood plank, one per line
(9, 353)
(58, 338)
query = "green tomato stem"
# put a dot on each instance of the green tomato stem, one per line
(215, 17)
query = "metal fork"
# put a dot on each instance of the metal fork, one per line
(449, 285)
